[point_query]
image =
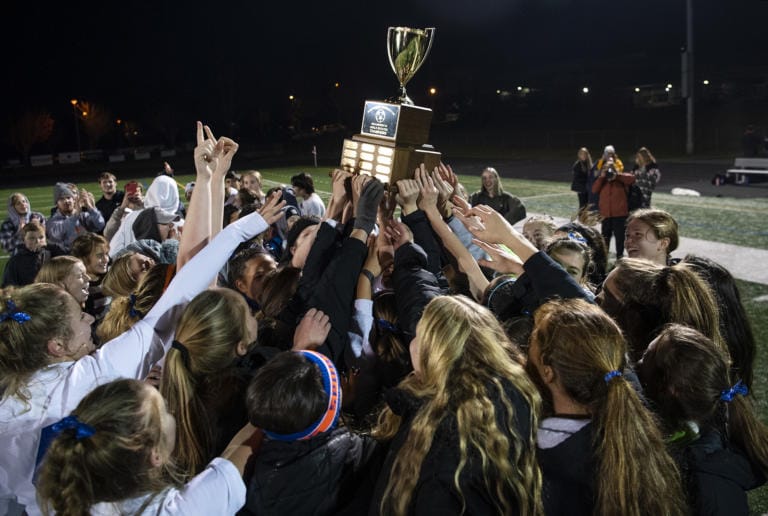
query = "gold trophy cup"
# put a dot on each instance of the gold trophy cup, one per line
(393, 139)
(407, 49)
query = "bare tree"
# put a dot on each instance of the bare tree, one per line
(30, 128)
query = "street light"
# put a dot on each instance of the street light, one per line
(637, 90)
(291, 97)
(433, 91)
(705, 82)
(77, 126)
(585, 90)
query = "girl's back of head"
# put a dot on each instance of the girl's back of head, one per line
(653, 296)
(467, 368)
(735, 327)
(286, 396)
(126, 310)
(113, 447)
(687, 377)
(586, 353)
(31, 317)
(212, 331)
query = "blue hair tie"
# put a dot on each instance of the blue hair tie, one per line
(572, 235)
(132, 307)
(611, 375)
(14, 313)
(83, 430)
(388, 326)
(728, 395)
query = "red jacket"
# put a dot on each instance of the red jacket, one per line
(613, 195)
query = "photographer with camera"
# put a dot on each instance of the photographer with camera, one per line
(612, 185)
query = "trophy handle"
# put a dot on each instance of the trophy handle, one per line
(431, 34)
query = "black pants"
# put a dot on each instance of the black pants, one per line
(615, 226)
(583, 196)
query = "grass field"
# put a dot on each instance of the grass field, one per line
(732, 221)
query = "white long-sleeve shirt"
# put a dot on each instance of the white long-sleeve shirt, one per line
(218, 489)
(57, 389)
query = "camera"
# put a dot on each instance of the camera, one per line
(610, 173)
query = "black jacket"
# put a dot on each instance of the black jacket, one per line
(434, 492)
(312, 477)
(568, 471)
(414, 287)
(24, 265)
(328, 283)
(716, 476)
(544, 279)
(580, 177)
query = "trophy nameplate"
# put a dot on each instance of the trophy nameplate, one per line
(393, 136)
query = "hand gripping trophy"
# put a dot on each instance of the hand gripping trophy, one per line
(393, 139)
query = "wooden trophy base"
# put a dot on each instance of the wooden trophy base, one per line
(392, 143)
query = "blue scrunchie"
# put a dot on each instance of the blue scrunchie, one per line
(611, 375)
(728, 395)
(83, 430)
(13, 313)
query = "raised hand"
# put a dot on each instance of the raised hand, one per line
(272, 209)
(339, 189)
(407, 194)
(358, 182)
(368, 204)
(501, 261)
(447, 175)
(429, 193)
(312, 330)
(494, 227)
(445, 191)
(398, 233)
(206, 155)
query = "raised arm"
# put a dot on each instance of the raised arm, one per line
(131, 354)
(467, 264)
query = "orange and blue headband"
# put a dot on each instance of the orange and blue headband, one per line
(330, 417)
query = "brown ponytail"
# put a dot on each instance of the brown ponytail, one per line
(585, 348)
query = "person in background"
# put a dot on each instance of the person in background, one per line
(304, 187)
(93, 251)
(188, 189)
(492, 194)
(75, 213)
(647, 174)
(581, 168)
(19, 214)
(252, 180)
(614, 207)
(652, 235)
(29, 257)
(608, 153)
(111, 197)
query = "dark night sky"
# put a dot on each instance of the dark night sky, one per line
(139, 56)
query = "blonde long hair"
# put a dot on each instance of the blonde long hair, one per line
(211, 327)
(582, 344)
(466, 362)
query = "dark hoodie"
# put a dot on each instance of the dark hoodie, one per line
(10, 234)
(716, 475)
